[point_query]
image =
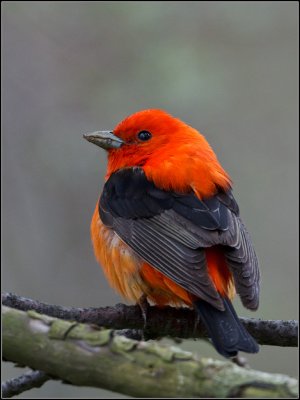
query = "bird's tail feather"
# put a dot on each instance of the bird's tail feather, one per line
(225, 330)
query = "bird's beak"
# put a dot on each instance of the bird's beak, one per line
(105, 139)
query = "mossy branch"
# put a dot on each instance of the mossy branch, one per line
(86, 355)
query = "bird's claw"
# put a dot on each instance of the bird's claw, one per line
(144, 306)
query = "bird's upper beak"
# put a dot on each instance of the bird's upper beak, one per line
(105, 139)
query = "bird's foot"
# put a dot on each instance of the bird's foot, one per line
(240, 361)
(196, 323)
(144, 306)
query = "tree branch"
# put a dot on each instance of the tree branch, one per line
(168, 321)
(30, 380)
(85, 355)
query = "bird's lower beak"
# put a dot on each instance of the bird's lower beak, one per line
(105, 139)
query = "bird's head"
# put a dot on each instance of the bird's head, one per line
(166, 148)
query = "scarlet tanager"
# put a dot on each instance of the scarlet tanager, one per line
(167, 226)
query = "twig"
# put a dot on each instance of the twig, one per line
(168, 321)
(30, 380)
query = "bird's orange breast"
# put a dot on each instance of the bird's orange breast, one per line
(120, 264)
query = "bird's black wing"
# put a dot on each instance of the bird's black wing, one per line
(170, 231)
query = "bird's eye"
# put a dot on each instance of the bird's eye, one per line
(144, 135)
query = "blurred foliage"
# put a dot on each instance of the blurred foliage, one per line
(230, 69)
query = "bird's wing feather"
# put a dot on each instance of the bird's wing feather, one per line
(170, 231)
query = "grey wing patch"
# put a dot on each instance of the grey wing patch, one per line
(170, 253)
(238, 249)
(243, 263)
(197, 236)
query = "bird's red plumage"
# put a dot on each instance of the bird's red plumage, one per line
(181, 182)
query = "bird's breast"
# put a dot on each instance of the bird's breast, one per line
(120, 264)
(129, 274)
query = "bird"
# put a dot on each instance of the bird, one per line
(167, 227)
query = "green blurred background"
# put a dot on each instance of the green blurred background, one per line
(230, 69)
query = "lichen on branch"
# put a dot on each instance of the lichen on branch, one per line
(86, 355)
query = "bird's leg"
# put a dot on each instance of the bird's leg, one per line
(144, 306)
(196, 323)
(240, 361)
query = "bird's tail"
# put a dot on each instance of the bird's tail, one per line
(225, 330)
